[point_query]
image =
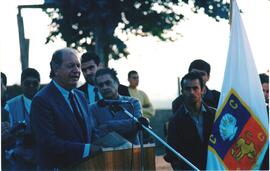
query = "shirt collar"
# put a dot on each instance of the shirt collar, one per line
(63, 91)
(203, 109)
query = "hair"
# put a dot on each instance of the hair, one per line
(30, 72)
(264, 78)
(131, 73)
(200, 65)
(109, 71)
(88, 56)
(57, 59)
(3, 78)
(192, 76)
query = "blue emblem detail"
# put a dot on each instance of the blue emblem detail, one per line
(227, 127)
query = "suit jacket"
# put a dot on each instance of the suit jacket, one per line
(123, 90)
(83, 88)
(184, 138)
(210, 98)
(118, 121)
(59, 138)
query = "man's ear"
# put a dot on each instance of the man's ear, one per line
(208, 77)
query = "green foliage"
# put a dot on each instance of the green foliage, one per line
(91, 24)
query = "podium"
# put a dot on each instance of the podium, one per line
(120, 159)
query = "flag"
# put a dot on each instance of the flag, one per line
(239, 137)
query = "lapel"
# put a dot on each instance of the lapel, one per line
(84, 88)
(65, 110)
(83, 112)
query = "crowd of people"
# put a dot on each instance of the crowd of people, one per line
(56, 126)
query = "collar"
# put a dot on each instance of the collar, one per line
(203, 109)
(26, 99)
(90, 85)
(63, 91)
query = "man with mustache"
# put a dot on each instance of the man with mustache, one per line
(190, 128)
(60, 117)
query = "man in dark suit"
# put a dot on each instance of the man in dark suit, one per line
(190, 128)
(90, 64)
(210, 97)
(60, 116)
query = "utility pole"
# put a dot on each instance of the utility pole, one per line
(24, 43)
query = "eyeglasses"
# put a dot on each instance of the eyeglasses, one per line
(107, 83)
(135, 77)
(28, 83)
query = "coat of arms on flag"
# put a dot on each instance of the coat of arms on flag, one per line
(239, 138)
(237, 134)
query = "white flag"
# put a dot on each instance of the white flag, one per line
(239, 138)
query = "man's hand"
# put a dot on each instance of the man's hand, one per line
(143, 121)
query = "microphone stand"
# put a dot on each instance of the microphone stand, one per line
(177, 154)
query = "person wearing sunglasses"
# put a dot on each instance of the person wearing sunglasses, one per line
(21, 155)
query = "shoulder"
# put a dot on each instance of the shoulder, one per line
(83, 87)
(14, 99)
(179, 99)
(142, 92)
(181, 113)
(130, 99)
(214, 92)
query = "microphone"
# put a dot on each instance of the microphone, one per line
(104, 103)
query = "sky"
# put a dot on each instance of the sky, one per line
(158, 63)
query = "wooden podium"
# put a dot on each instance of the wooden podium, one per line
(120, 159)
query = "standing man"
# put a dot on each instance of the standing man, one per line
(22, 155)
(147, 107)
(90, 64)
(4, 113)
(4, 123)
(60, 117)
(113, 120)
(265, 87)
(210, 97)
(190, 128)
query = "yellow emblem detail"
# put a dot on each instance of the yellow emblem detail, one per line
(233, 104)
(212, 139)
(242, 148)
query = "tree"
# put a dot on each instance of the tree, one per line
(91, 24)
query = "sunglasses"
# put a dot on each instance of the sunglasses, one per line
(28, 83)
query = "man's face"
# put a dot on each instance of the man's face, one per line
(192, 91)
(89, 70)
(204, 75)
(265, 87)
(30, 86)
(107, 86)
(133, 80)
(68, 74)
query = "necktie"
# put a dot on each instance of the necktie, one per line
(96, 94)
(77, 114)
